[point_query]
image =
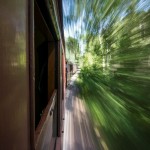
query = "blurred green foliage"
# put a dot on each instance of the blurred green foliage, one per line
(119, 106)
(72, 49)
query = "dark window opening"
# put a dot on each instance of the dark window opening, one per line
(41, 77)
(44, 64)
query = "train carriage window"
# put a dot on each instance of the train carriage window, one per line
(41, 80)
(44, 65)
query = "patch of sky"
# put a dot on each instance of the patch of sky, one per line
(143, 5)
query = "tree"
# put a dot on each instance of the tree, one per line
(72, 45)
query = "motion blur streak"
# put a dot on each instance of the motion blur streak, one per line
(78, 134)
(114, 81)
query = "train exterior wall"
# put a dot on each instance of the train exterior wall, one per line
(18, 75)
(14, 76)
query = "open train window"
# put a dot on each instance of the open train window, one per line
(44, 64)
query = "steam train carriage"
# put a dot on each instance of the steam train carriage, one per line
(32, 74)
(71, 68)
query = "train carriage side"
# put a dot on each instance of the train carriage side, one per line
(32, 74)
